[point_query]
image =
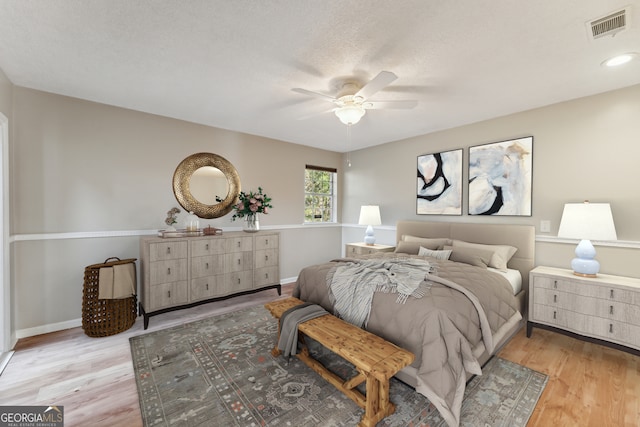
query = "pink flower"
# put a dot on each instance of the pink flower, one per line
(253, 208)
(252, 200)
(265, 210)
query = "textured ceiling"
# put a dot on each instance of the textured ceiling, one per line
(232, 64)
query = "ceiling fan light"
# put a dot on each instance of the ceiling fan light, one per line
(350, 114)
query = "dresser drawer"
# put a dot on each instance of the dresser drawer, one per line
(168, 295)
(239, 244)
(168, 271)
(239, 281)
(238, 261)
(269, 241)
(167, 250)
(267, 258)
(207, 287)
(266, 276)
(207, 247)
(207, 265)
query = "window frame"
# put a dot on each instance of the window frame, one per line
(333, 195)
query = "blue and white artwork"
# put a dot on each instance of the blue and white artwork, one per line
(500, 178)
(439, 189)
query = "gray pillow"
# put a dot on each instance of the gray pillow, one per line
(410, 248)
(501, 254)
(433, 244)
(472, 256)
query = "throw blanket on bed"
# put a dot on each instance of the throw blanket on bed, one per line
(352, 284)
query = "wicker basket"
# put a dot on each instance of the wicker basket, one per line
(104, 317)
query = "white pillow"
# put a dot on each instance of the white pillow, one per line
(434, 254)
(501, 253)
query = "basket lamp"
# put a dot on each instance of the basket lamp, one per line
(369, 216)
(586, 221)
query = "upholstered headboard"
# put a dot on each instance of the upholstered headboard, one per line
(519, 236)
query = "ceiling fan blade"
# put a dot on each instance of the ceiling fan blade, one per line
(314, 94)
(379, 82)
(388, 105)
(314, 114)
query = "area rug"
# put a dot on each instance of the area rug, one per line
(219, 372)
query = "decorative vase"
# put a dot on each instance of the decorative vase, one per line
(252, 223)
(191, 224)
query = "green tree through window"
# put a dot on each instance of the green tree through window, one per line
(319, 194)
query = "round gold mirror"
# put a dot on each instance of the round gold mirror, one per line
(206, 184)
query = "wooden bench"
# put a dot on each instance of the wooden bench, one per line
(375, 359)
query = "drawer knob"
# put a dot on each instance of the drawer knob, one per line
(266, 275)
(610, 309)
(554, 315)
(168, 250)
(610, 328)
(206, 286)
(555, 284)
(206, 246)
(266, 241)
(555, 298)
(238, 280)
(168, 271)
(238, 261)
(266, 257)
(238, 243)
(168, 294)
(206, 265)
(611, 294)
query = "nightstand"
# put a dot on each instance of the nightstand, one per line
(604, 309)
(364, 249)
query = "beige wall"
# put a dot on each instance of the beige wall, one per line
(84, 175)
(583, 149)
(88, 179)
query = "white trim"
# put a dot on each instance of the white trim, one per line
(45, 329)
(611, 243)
(6, 339)
(129, 233)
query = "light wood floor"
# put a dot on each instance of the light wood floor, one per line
(589, 385)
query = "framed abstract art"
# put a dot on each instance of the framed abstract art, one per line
(439, 185)
(500, 178)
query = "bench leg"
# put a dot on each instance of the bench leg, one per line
(378, 405)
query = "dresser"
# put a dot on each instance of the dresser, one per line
(364, 249)
(604, 309)
(181, 272)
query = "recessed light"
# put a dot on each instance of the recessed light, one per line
(620, 59)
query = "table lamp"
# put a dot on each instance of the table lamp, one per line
(369, 216)
(586, 221)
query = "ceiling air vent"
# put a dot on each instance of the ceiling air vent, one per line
(609, 25)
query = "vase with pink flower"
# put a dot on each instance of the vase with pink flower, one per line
(249, 206)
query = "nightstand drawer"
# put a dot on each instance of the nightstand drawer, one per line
(352, 249)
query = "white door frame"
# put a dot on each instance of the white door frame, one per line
(5, 276)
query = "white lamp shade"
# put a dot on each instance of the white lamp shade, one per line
(369, 215)
(588, 221)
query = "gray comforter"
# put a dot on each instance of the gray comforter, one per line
(463, 307)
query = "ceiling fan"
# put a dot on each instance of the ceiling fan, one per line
(352, 100)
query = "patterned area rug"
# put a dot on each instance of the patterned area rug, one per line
(219, 372)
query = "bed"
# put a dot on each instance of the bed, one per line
(473, 301)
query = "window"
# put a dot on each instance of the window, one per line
(319, 194)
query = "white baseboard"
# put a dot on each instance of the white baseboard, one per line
(45, 329)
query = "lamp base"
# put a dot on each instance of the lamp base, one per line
(369, 238)
(584, 265)
(584, 274)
